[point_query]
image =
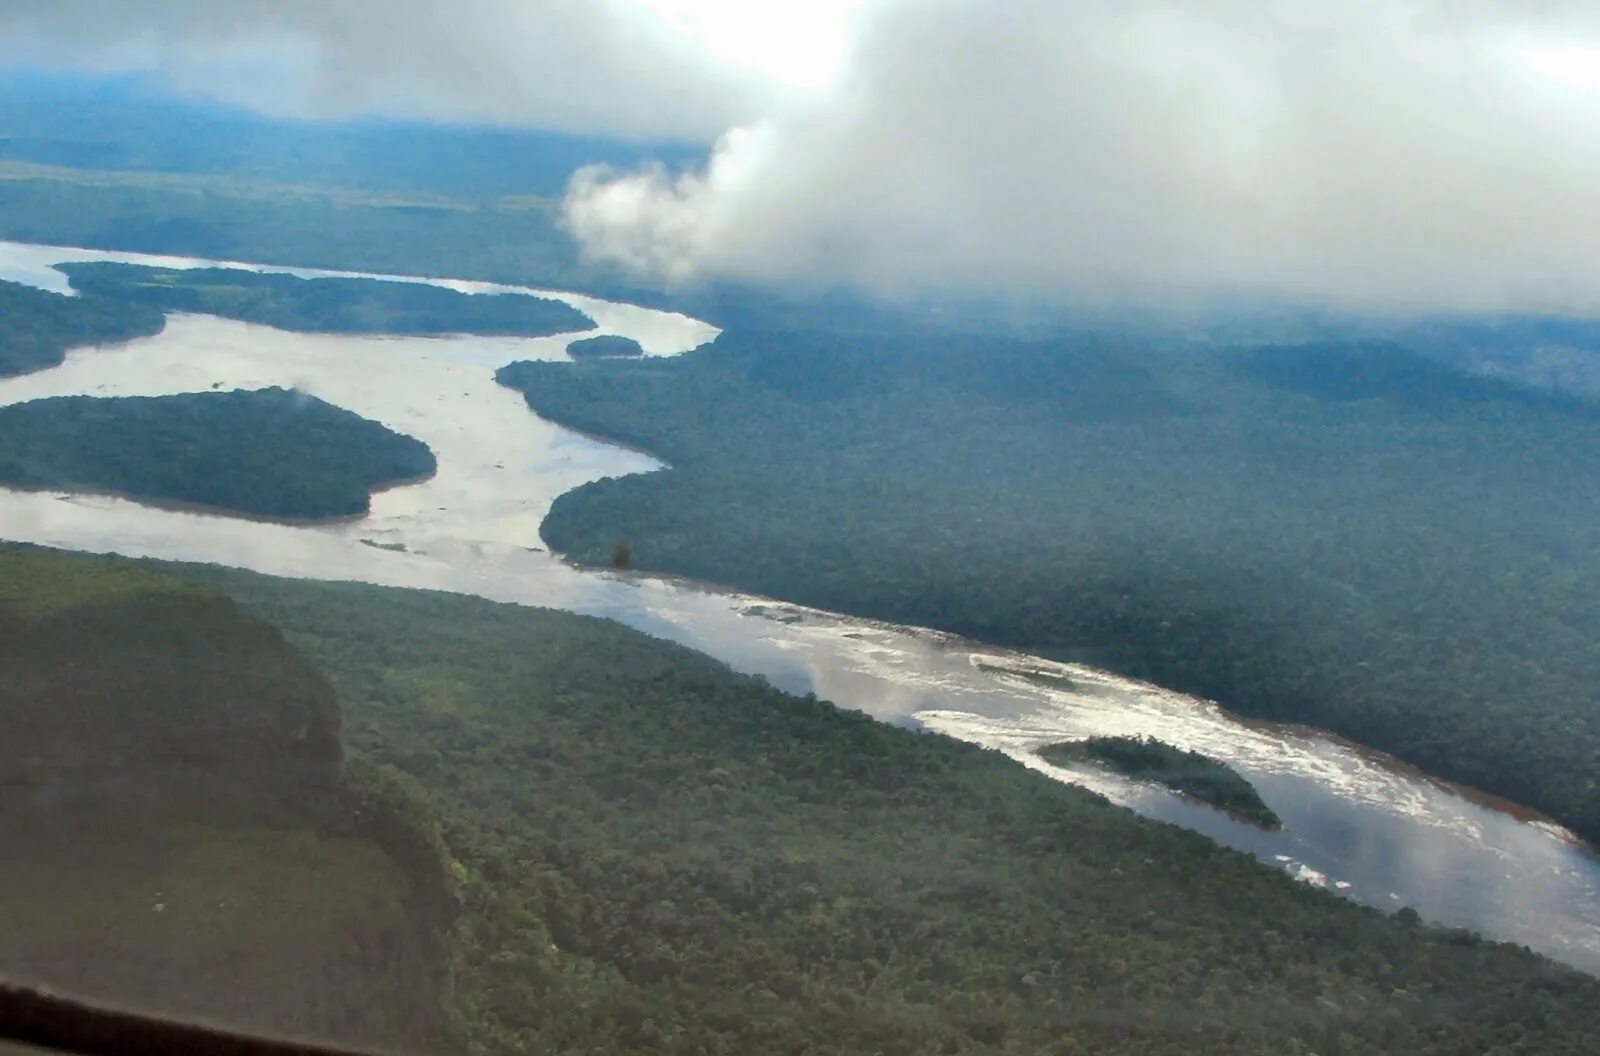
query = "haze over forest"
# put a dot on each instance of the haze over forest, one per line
(974, 360)
(1412, 154)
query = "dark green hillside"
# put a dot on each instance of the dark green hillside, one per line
(659, 855)
(271, 453)
(213, 688)
(1190, 773)
(179, 834)
(1348, 536)
(38, 327)
(336, 305)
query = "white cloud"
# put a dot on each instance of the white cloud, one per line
(1407, 153)
(1370, 152)
(581, 65)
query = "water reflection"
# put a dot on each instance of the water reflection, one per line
(1380, 833)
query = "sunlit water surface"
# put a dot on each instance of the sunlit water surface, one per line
(1354, 821)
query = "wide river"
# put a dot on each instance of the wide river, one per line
(1355, 821)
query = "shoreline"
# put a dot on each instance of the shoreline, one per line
(827, 625)
(620, 445)
(277, 269)
(67, 353)
(598, 438)
(952, 641)
(201, 509)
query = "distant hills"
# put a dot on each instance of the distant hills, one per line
(125, 123)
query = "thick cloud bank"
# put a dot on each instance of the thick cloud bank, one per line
(577, 65)
(1373, 153)
(1406, 153)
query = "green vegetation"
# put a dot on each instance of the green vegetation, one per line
(37, 327)
(659, 855)
(179, 834)
(87, 122)
(234, 218)
(1190, 773)
(1343, 535)
(604, 347)
(359, 306)
(271, 453)
(38, 587)
(87, 162)
(649, 853)
(91, 168)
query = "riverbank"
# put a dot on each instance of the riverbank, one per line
(466, 530)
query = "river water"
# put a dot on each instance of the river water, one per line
(1355, 822)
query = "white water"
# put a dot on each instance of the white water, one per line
(1378, 833)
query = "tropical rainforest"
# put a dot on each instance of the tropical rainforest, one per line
(270, 452)
(1190, 773)
(655, 854)
(37, 327)
(336, 305)
(437, 823)
(604, 346)
(183, 832)
(107, 166)
(1348, 535)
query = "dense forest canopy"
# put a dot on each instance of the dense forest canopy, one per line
(182, 835)
(604, 346)
(659, 855)
(269, 452)
(1345, 536)
(38, 327)
(338, 305)
(654, 854)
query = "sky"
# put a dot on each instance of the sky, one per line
(1357, 153)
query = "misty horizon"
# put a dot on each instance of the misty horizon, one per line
(1413, 156)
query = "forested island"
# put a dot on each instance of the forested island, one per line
(38, 327)
(272, 453)
(653, 854)
(332, 305)
(1189, 773)
(1342, 535)
(606, 346)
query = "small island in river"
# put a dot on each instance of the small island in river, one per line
(1188, 773)
(327, 305)
(606, 346)
(271, 453)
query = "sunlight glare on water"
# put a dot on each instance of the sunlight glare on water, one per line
(1355, 822)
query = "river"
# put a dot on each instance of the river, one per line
(1355, 821)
